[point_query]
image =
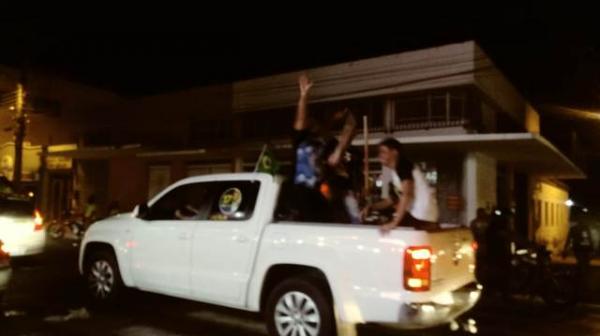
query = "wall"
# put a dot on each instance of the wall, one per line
(498, 88)
(479, 184)
(550, 214)
(532, 120)
(164, 121)
(128, 182)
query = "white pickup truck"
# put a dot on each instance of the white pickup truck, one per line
(215, 239)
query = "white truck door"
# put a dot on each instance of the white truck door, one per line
(162, 249)
(225, 243)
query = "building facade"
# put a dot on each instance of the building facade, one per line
(479, 141)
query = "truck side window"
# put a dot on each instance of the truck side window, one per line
(185, 202)
(233, 200)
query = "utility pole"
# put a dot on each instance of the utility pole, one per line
(21, 124)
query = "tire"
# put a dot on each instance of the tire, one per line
(56, 231)
(299, 303)
(103, 278)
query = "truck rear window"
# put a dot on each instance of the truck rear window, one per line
(13, 206)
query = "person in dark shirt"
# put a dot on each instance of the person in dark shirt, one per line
(479, 226)
(580, 242)
(319, 177)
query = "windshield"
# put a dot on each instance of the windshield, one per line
(15, 206)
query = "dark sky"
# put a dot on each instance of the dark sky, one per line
(550, 56)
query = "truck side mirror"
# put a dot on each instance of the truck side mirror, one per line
(141, 211)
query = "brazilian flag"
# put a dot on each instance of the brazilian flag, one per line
(267, 162)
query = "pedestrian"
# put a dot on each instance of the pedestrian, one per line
(90, 212)
(498, 240)
(580, 242)
(479, 226)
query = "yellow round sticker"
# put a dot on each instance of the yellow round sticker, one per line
(230, 201)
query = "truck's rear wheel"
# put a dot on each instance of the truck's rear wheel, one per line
(299, 307)
(103, 277)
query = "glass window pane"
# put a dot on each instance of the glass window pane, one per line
(233, 200)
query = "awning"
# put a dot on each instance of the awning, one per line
(97, 153)
(526, 152)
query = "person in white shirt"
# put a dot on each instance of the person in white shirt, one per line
(416, 205)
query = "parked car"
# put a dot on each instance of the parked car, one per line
(214, 239)
(5, 271)
(21, 225)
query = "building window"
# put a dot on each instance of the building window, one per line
(546, 214)
(537, 213)
(446, 108)
(411, 110)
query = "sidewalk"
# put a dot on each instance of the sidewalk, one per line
(592, 281)
(570, 260)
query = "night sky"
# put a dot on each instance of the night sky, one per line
(551, 56)
(545, 62)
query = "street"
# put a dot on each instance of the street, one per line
(47, 287)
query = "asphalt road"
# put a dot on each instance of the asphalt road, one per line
(48, 287)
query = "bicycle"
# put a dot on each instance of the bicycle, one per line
(532, 274)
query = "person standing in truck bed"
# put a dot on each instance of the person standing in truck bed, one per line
(319, 178)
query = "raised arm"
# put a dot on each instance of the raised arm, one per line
(347, 134)
(301, 112)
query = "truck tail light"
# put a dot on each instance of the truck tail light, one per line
(38, 221)
(417, 268)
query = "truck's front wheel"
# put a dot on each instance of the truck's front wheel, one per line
(103, 277)
(299, 307)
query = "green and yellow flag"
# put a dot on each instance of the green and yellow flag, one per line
(267, 163)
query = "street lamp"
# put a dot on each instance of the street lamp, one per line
(569, 203)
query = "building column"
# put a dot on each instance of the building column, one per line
(238, 164)
(389, 115)
(478, 184)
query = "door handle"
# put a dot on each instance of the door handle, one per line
(184, 236)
